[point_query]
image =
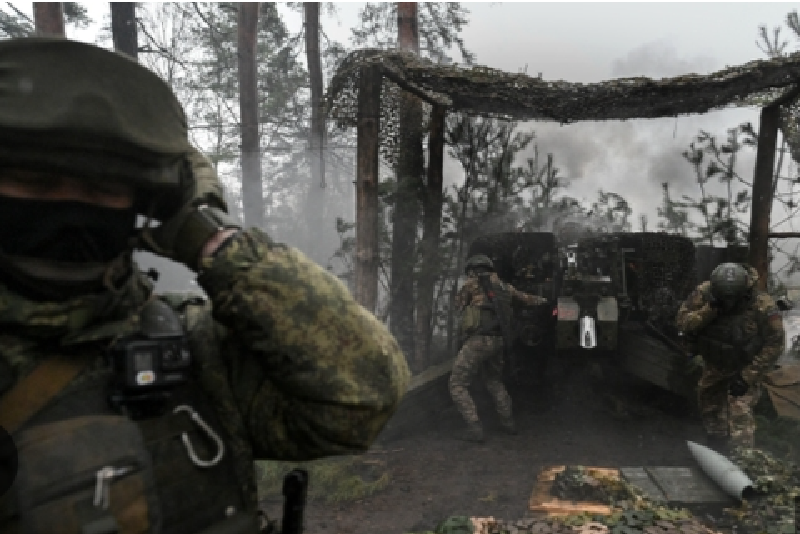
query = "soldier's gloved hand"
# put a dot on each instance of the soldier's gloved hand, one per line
(183, 236)
(738, 386)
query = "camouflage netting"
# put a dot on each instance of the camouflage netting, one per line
(771, 511)
(490, 92)
(486, 91)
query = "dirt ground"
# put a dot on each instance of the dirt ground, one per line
(579, 420)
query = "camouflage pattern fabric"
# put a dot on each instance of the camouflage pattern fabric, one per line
(724, 415)
(482, 352)
(758, 316)
(771, 511)
(296, 368)
(472, 294)
(314, 373)
(628, 523)
(479, 353)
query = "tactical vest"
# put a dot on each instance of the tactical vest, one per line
(725, 344)
(84, 468)
(483, 319)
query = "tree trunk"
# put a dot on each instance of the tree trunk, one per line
(367, 226)
(316, 143)
(429, 248)
(48, 17)
(406, 202)
(252, 188)
(123, 28)
(762, 192)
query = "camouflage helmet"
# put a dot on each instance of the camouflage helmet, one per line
(77, 109)
(479, 260)
(730, 282)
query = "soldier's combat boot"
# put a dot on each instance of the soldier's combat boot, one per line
(473, 433)
(509, 426)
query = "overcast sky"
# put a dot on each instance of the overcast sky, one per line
(590, 42)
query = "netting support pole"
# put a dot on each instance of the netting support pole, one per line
(432, 200)
(367, 224)
(762, 192)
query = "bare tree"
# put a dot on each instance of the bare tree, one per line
(123, 28)
(316, 191)
(48, 18)
(252, 189)
(406, 198)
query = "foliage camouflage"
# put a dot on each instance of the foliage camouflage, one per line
(770, 511)
(485, 91)
(777, 485)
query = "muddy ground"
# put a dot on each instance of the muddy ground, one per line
(577, 420)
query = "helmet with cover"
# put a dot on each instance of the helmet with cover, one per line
(730, 283)
(479, 262)
(76, 110)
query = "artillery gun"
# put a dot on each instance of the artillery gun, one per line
(611, 292)
(613, 296)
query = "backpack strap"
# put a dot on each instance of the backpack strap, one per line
(33, 392)
(26, 399)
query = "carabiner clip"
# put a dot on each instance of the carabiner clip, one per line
(210, 433)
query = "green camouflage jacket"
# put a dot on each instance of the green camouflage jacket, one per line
(761, 318)
(295, 367)
(472, 294)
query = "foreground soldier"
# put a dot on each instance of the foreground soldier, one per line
(482, 330)
(738, 332)
(135, 413)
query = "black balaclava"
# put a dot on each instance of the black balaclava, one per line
(55, 250)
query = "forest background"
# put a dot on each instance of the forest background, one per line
(687, 175)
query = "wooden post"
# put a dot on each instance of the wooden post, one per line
(406, 208)
(48, 18)
(432, 200)
(252, 188)
(367, 225)
(762, 192)
(123, 28)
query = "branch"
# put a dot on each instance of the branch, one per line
(20, 13)
(783, 235)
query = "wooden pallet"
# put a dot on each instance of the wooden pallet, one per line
(543, 502)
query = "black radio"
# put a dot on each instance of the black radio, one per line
(148, 364)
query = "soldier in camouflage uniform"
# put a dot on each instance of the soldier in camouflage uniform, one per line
(738, 332)
(483, 344)
(279, 363)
